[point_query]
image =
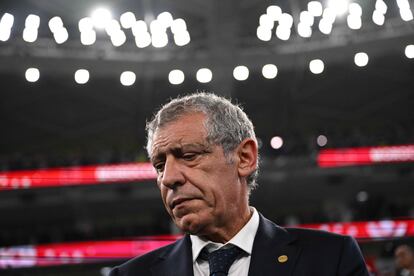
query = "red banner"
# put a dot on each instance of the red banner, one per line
(77, 176)
(365, 155)
(98, 251)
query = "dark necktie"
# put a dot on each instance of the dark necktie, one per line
(220, 260)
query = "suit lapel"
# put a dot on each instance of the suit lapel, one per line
(271, 246)
(175, 262)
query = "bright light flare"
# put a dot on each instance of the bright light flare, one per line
(166, 19)
(176, 77)
(85, 24)
(178, 25)
(100, 17)
(316, 66)
(361, 59)
(315, 8)
(322, 140)
(55, 24)
(127, 19)
(88, 37)
(276, 142)
(32, 74)
(378, 18)
(82, 76)
(204, 75)
(263, 33)
(241, 73)
(269, 71)
(274, 12)
(339, 6)
(127, 78)
(32, 21)
(409, 51)
(182, 39)
(30, 35)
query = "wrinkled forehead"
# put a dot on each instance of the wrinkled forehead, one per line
(188, 128)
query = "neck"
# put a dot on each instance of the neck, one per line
(232, 226)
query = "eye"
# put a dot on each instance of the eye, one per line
(189, 156)
(159, 167)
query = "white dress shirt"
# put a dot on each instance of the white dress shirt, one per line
(243, 239)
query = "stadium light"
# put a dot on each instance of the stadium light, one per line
(409, 51)
(88, 37)
(82, 76)
(55, 24)
(165, 18)
(178, 25)
(85, 24)
(6, 24)
(286, 20)
(127, 78)
(276, 142)
(354, 22)
(274, 12)
(406, 14)
(241, 73)
(361, 59)
(316, 66)
(127, 20)
(139, 28)
(30, 34)
(315, 8)
(143, 40)
(32, 74)
(304, 30)
(355, 9)
(378, 18)
(266, 21)
(340, 6)
(176, 77)
(269, 71)
(182, 38)
(325, 26)
(263, 33)
(322, 140)
(100, 17)
(381, 7)
(61, 35)
(118, 38)
(283, 33)
(32, 21)
(204, 75)
(159, 40)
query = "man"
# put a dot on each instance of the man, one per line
(404, 258)
(205, 152)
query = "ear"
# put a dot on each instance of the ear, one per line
(247, 157)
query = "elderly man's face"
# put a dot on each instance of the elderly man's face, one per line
(200, 187)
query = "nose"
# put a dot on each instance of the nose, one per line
(172, 175)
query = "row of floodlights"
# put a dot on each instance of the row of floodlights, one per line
(205, 75)
(154, 34)
(276, 142)
(328, 15)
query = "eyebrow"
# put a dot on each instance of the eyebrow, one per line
(204, 147)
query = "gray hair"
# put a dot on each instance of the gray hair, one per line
(227, 124)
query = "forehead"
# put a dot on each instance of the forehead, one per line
(187, 129)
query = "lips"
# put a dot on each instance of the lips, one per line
(178, 201)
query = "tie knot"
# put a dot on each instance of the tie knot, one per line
(220, 260)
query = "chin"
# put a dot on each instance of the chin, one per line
(188, 225)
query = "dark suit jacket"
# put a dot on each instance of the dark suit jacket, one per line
(309, 252)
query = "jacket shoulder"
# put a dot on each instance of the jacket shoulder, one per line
(141, 265)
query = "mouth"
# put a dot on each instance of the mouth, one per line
(178, 201)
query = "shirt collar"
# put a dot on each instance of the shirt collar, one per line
(243, 239)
